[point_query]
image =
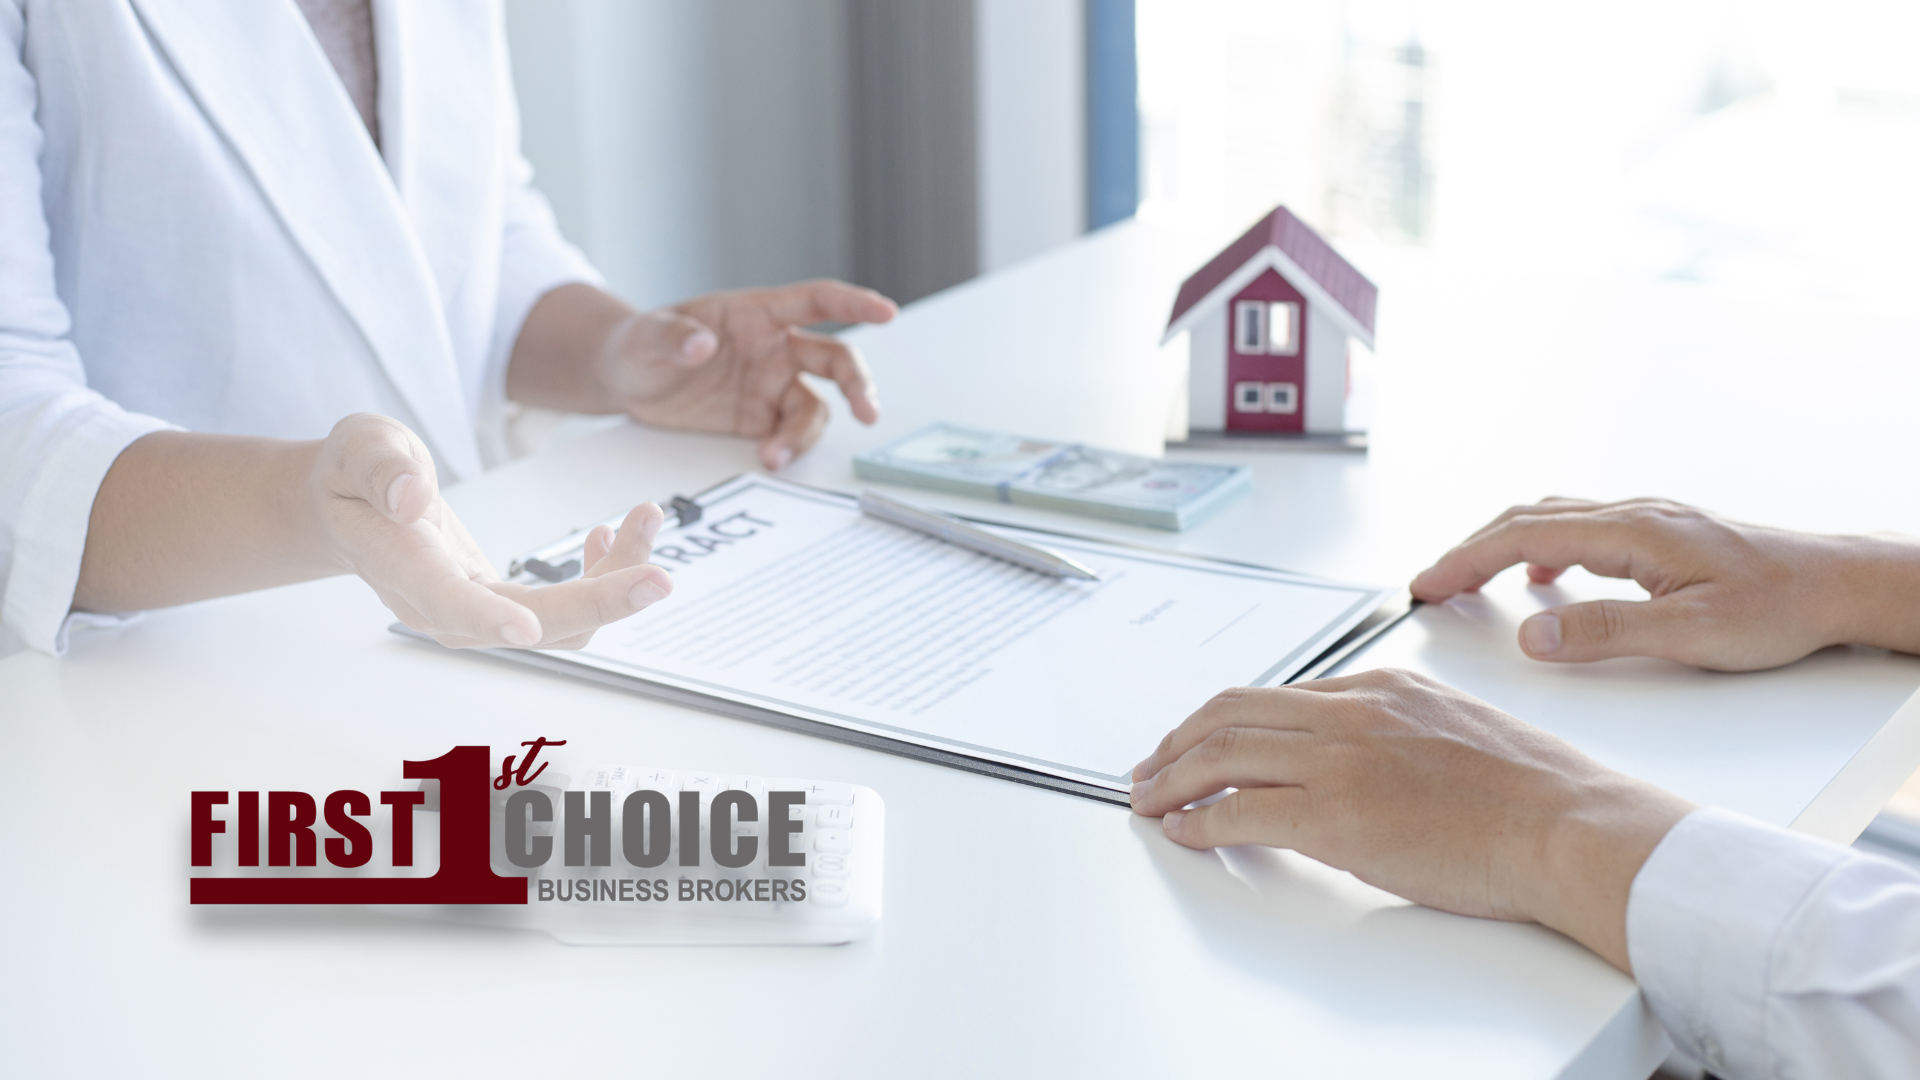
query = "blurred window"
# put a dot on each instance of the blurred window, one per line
(1283, 330)
(1249, 327)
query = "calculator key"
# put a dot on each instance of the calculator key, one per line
(819, 794)
(827, 893)
(753, 785)
(832, 865)
(834, 817)
(741, 831)
(620, 778)
(832, 842)
(657, 780)
(707, 784)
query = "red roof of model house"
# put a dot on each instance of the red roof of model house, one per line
(1285, 243)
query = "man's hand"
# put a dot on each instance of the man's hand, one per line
(730, 362)
(378, 513)
(1726, 596)
(1418, 789)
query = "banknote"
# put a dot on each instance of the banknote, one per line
(1069, 477)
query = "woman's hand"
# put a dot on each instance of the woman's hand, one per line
(185, 516)
(1725, 595)
(730, 362)
(378, 513)
(1419, 789)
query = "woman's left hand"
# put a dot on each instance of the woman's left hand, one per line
(731, 362)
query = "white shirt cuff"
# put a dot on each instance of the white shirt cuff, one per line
(1703, 918)
(51, 508)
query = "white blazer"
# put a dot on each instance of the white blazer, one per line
(197, 231)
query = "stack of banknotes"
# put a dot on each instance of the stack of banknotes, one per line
(1061, 476)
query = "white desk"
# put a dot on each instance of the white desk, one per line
(1027, 933)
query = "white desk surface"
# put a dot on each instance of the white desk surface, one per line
(1026, 932)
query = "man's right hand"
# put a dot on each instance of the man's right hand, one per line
(1724, 595)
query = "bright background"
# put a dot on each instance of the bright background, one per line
(700, 144)
(1767, 145)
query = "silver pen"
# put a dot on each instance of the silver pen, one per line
(954, 531)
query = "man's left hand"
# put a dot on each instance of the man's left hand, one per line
(1419, 789)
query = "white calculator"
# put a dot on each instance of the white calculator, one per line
(612, 858)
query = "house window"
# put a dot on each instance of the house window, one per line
(1283, 397)
(1250, 327)
(1249, 397)
(1283, 328)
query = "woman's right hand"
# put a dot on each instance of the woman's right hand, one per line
(1724, 595)
(377, 504)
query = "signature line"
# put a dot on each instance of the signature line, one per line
(1229, 626)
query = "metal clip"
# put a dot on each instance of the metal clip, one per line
(548, 572)
(685, 509)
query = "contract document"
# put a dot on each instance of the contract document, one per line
(788, 599)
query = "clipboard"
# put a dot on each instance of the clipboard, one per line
(1004, 765)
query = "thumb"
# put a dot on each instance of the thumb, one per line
(1599, 629)
(681, 339)
(376, 459)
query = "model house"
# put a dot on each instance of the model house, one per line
(1269, 320)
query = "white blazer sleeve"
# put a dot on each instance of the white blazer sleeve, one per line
(534, 260)
(57, 437)
(1770, 954)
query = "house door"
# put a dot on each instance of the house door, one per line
(1267, 357)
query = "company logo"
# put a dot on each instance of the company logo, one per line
(472, 849)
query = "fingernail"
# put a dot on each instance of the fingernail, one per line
(1541, 634)
(1139, 792)
(396, 491)
(698, 344)
(517, 636)
(782, 457)
(646, 593)
(1172, 820)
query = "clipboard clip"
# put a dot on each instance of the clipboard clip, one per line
(551, 572)
(560, 561)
